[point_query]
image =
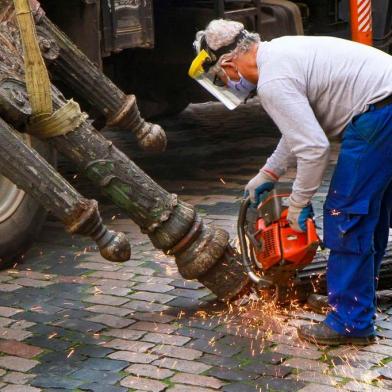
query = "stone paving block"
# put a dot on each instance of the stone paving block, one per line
(109, 290)
(14, 334)
(31, 274)
(80, 325)
(102, 299)
(18, 378)
(127, 334)
(242, 387)
(27, 282)
(9, 287)
(153, 280)
(356, 386)
(306, 364)
(150, 371)
(143, 384)
(267, 357)
(91, 375)
(51, 343)
(92, 351)
(308, 353)
(99, 266)
(231, 374)
(153, 287)
(8, 312)
(182, 365)
(197, 380)
(156, 318)
(186, 303)
(379, 348)
(355, 373)
(111, 321)
(22, 324)
(19, 349)
(105, 364)
(154, 327)
(177, 352)
(20, 388)
(279, 384)
(128, 345)
(316, 377)
(58, 382)
(161, 338)
(144, 306)
(350, 353)
(188, 293)
(319, 388)
(15, 363)
(385, 372)
(4, 322)
(212, 347)
(95, 387)
(215, 360)
(264, 369)
(56, 357)
(106, 309)
(185, 388)
(118, 275)
(142, 271)
(199, 333)
(133, 357)
(151, 297)
(112, 283)
(187, 284)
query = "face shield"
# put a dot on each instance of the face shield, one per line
(202, 71)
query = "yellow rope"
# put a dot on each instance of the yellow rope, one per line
(62, 121)
(43, 123)
(37, 77)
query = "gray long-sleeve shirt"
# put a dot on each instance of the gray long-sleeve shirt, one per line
(312, 87)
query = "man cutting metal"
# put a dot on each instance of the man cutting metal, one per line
(316, 89)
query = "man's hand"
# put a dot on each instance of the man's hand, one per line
(262, 182)
(298, 215)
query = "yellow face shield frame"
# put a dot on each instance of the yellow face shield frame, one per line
(231, 99)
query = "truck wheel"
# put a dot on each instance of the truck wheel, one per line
(21, 217)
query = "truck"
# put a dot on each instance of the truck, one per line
(145, 47)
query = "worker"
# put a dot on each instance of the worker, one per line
(316, 89)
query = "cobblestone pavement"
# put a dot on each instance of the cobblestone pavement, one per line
(70, 320)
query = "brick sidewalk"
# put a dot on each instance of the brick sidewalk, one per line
(70, 320)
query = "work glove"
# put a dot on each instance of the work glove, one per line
(262, 182)
(298, 215)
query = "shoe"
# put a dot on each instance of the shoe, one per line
(318, 303)
(322, 334)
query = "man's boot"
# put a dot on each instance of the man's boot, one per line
(322, 334)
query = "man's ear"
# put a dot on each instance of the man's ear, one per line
(231, 69)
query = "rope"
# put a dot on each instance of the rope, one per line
(62, 121)
(36, 74)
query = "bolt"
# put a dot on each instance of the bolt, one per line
(17, 96)
(45, 45)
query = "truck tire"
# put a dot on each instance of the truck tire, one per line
(21, 217)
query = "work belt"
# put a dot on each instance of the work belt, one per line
(384, 102)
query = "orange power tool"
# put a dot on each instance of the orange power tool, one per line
(271, 250)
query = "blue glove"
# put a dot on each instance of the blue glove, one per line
(297, 216)
(261, 183)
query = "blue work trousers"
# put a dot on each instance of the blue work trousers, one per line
(357, 217)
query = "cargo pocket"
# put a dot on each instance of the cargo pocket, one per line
(342, 225)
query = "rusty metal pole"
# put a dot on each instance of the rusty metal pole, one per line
(361, 21)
